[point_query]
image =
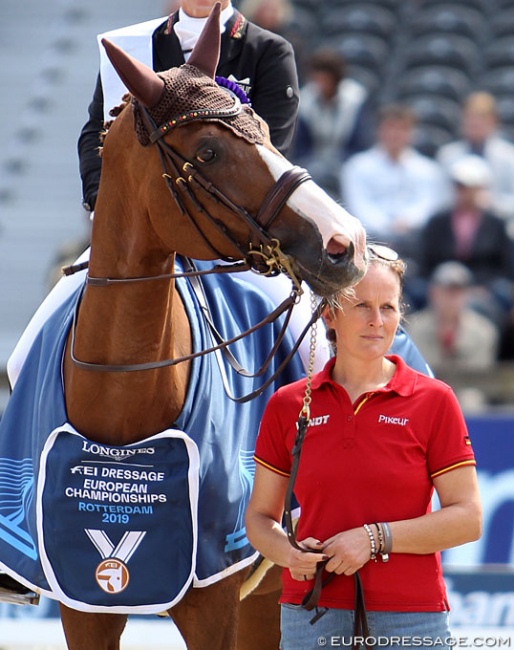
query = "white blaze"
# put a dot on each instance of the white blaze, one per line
(311, 202)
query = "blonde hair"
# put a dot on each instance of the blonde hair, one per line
(481, 102)
(398, 266)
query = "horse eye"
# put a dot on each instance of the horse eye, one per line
(205, 156)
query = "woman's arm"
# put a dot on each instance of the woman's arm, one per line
(458, 521)
(265, 532)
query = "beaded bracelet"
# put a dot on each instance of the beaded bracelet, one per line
(373, 542)
(385, 540)
(380, 535)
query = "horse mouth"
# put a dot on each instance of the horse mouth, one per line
(328, 270)
(335, 272)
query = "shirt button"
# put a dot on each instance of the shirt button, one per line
(350, 418)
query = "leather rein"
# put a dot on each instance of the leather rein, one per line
(265, 257)
(322, 578)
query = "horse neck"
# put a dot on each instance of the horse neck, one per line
(126, 324)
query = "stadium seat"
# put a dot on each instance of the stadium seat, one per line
(449, 19)
(502, 5)
(393, 5)
(365, 18)
(312, 5)
(443, 49)
(301, 24)
(505, 107)
(370, 79)
(499, 81)
(436, 111)
(362, 50)
(429, 138)
(483, 6)
(502, 24)
(500, 53)
(447, 82)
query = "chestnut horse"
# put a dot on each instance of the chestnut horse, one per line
(203, 182)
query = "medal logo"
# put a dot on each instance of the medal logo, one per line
(112, 574)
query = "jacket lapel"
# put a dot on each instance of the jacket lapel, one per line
(231, 39)
(167, 51)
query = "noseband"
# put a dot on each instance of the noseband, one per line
(183, 179)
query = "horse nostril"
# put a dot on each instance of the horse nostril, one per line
(335, 248)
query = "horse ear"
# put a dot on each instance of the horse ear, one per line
(141, 81)
(206, 53)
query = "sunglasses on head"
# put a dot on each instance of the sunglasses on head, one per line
(382, 252)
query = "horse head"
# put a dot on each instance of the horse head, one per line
(238, 197)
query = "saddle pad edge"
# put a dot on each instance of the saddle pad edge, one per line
(56, 592)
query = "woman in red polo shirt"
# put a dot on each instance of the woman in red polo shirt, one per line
(381, 438)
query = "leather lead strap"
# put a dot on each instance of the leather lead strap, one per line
(311, 599)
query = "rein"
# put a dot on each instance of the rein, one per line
(311, 598)
(220, 346)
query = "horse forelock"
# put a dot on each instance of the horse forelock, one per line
(186, 90)
(114, 112)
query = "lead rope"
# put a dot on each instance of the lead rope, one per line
(311, 598)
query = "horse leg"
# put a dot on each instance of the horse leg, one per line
(85, 631)
(207, 617)
(259, 615)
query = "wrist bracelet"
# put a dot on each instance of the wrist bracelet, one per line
(373, 554)
(388, 541)
(380, 535)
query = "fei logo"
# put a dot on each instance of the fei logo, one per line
(112, 574)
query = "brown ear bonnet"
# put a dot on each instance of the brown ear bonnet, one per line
(188, 91)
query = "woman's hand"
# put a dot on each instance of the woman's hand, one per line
(303, 564)
(348, 551)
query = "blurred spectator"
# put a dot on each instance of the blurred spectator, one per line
(391, 187)
(269, 14)
(481, 136)
(280, 17)
(450, 334)
(333, 119)
(474, 236)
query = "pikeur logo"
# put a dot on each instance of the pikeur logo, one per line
(386, 419)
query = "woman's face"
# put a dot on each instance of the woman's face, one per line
(366, 323)
(201, 8)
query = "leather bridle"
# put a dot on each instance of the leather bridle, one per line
(183, 179)
(264, 255)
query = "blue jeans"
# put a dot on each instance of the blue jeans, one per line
(387, 630)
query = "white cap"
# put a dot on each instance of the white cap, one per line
(471, 171)
(452, 274)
